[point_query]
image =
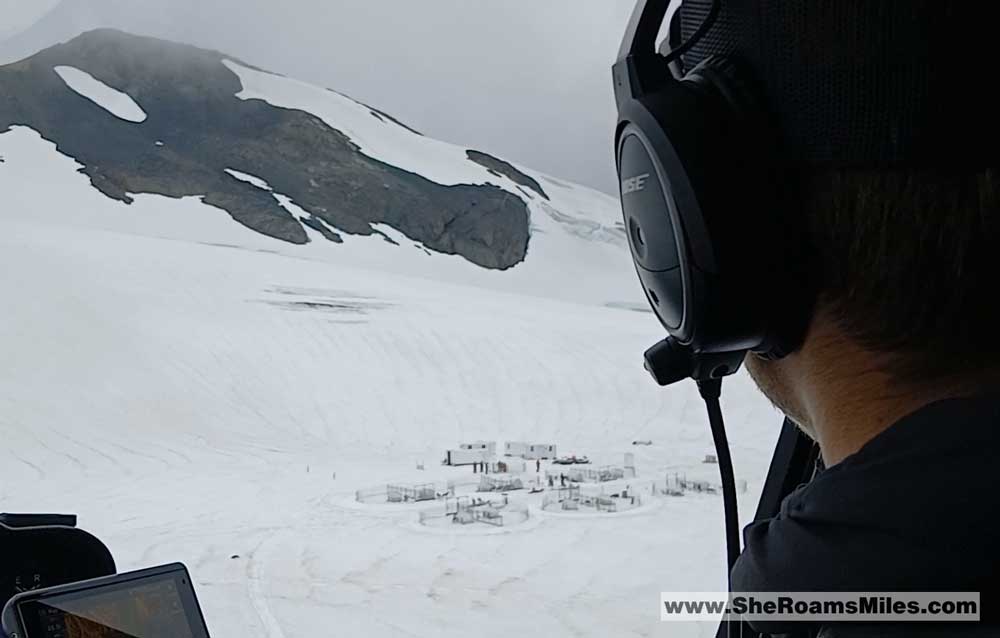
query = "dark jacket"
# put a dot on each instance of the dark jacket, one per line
(916, 509)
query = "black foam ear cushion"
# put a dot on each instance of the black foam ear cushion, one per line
(770, 241)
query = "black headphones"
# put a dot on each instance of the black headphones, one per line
(706, 206)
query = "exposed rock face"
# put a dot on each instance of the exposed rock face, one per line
(196, 129)
(499, 167)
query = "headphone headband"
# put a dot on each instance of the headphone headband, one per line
(643, 27)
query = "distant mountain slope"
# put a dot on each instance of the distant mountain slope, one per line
(62, 20)
(197, 128)
(292, 162)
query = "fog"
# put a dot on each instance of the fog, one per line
(528, 80)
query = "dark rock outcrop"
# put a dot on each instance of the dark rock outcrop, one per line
(499, 167)
(196, 129)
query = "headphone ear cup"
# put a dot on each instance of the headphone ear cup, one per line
(661, 208)
(705, 146)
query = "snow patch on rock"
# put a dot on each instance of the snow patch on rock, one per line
(250, 179)
(119, 104)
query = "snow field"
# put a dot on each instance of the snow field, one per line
(190, 389)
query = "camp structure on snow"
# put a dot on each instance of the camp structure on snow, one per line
(515, 448)
(471, 453)
(530, 451)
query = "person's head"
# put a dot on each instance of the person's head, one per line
(906, 264)
(834, 170)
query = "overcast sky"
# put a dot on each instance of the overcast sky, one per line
(528, 80)
(18, 14)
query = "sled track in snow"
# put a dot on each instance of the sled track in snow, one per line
(255, 589)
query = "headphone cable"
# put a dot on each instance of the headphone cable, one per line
(710, 391)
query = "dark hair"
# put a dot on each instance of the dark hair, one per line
(908, 263)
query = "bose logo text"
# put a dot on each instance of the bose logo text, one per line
(634, 184)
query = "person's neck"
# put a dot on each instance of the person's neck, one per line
(849, 398)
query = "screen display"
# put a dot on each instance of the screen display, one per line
(153, 607)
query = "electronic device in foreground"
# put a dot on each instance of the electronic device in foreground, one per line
(152, 603)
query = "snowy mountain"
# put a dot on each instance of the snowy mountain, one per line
(201, 120)
(206, 356)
